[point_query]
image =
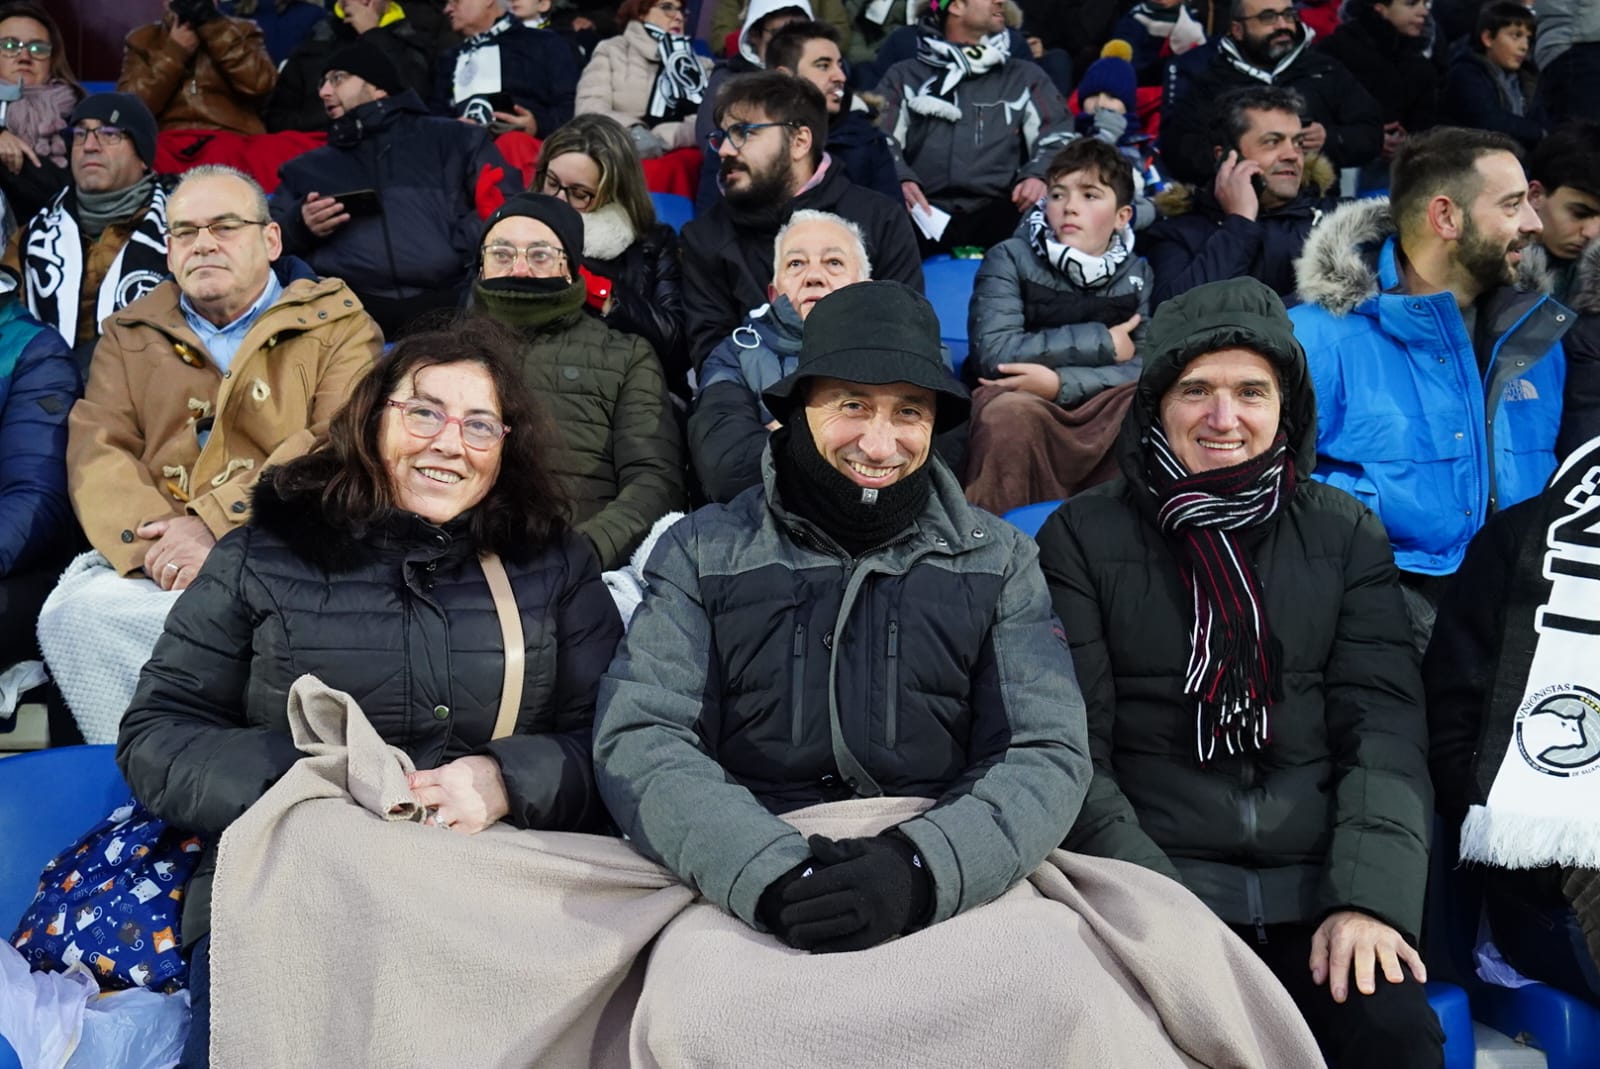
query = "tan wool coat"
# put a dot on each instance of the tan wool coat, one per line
(618, 80)
(133, 452)
(221, 86)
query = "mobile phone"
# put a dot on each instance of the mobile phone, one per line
(1258, 181)
(360, 202)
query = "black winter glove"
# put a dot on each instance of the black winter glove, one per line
(860, 893)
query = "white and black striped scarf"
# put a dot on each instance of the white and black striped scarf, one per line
(682, 81)
(1083, 270)
(958, 62)
(53, 264)
(1234, 672)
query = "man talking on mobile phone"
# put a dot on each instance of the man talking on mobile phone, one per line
(1254, 217)
(394, 204)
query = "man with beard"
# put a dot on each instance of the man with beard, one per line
(1254, 217)
(810, 50)
(770, 133)
(1439, 383)
(1267, 43)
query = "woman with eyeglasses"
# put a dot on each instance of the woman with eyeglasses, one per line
(590, 163)
(649, 78)
(37, 94)
(360, 565)
(622, 459)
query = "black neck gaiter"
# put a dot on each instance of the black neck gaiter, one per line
(813, 489)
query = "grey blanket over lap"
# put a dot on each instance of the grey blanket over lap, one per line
(346, 933)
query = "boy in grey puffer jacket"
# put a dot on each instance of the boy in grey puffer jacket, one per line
(1055, 326)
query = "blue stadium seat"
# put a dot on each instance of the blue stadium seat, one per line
(1449, 1002)
(948, 284)
(92, 88)
(1567, 1029)
(673, 209)
(1029, 518)
(47, 800)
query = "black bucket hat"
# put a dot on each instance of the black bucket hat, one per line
(873, 333)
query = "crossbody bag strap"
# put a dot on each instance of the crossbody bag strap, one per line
(505, 607)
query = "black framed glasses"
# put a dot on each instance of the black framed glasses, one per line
(738, 134)
(106, 135)
(38, 49)
(424, 420)
(580, 197)
(1265, 20)
(221, 230)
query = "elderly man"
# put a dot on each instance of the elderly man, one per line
(391, 203)
(801, 644)
(102, 242)
(504, 74)
(233, 366)
(814, 254)
(1439, 383)
(1255, 706)
(771, 129)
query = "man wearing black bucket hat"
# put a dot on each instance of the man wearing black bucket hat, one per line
(101, 243)
(1255, 705)
(851, 628)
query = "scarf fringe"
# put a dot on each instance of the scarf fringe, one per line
(1514, 840)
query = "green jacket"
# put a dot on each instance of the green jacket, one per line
(605, 393)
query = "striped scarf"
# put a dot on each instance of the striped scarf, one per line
(681, 82)
(1234, 672)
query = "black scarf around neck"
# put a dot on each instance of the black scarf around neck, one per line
(1235, 670)
(814, 490)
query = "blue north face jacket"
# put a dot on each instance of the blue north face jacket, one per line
(1407, 422)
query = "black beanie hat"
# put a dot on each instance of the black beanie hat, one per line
(874, 333)
(554, 213)
(369, 64)
(123, 110)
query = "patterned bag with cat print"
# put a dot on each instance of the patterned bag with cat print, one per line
(112, 901)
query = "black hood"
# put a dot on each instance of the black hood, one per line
(1239, 313)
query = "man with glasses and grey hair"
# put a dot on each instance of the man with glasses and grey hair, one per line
(236, 363)
(1266, 45)
(814, 254)
(769, 136)
(101, 242)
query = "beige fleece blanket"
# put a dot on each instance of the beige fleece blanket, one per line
(346, 933)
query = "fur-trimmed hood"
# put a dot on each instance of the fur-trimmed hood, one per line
(1338, 268)
(1538, 274)
(296, 517)
(1316, 180)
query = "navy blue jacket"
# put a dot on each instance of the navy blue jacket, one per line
(1473, 96)
(1207, 244)
(39, 380)
(856, 142)
(536, 68)
(425, 169)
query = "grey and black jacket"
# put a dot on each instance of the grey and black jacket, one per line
(767, 671)
(1025, 311)
(1332, 814)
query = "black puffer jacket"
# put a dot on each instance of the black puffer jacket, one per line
(401, 619)
(647, 281)
(1389, 65)
(426, 172)
(1333, 813)
(727, 253)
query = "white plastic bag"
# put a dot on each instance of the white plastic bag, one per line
(133, 1029)
(42, 1013)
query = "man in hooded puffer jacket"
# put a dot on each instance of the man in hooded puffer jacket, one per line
(1255, 705)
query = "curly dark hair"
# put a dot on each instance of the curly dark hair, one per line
(528, 504)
